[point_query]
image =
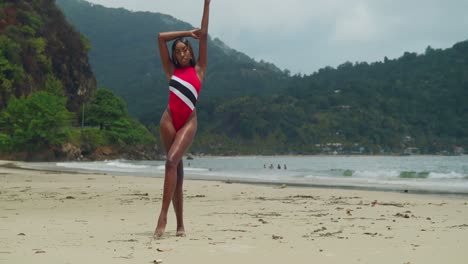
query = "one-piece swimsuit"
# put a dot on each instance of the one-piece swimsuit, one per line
(184, 88)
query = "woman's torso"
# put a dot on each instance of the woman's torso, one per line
(184, 87)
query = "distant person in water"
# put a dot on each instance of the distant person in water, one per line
(179, 121)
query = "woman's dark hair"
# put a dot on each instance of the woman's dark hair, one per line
(187, 43)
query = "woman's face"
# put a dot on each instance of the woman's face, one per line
(182, 54)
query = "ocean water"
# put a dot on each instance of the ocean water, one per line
(433, 174)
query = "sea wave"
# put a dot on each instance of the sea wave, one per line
(372, 173)
(402, 174)
(186, 169)
(447, 175)
(114, 165)
(123, 166)
(120, 164)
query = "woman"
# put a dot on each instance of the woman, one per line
(179, 121)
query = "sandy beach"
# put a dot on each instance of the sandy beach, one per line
(68, 217)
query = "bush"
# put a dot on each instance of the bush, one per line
(93, 137)
(38, 120)
(109, 112)
(128, 132)
(105, 109)
(5, 143)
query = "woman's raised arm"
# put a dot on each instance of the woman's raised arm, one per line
(203, 45)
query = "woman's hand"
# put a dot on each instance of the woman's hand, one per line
(195, 33)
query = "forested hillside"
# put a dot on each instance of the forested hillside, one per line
(38, 48)
(383, 107)
(416, 100)
(413, 102)
(45, 80)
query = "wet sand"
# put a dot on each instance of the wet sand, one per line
(68, 217)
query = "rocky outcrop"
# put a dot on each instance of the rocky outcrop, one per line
(70, 151)
(116, 152)
(109, 152)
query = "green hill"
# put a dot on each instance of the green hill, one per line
(45, 80)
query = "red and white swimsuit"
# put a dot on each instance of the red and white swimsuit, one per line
(184, 88)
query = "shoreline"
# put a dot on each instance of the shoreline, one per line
(198, 177)
(61, 217)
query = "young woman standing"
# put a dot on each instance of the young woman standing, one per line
(178, 123)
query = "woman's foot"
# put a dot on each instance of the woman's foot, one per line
(180, 232)
(160, 227)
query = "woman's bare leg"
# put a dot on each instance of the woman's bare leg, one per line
(180, 143)
(167, 133)
(178, 200)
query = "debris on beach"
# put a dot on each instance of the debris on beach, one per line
(402, 215)
(125, 240)
(330, 234)
(392, 204)
(375, 202)
(320, 229)
(164, 249)
(138, 194)
(197, 196)
(459, 226)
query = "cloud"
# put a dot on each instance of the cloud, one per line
(359, 24)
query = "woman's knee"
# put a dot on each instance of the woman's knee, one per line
(172, 163)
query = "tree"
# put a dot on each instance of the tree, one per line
(38, 120)
(110, 112)
(105, 109)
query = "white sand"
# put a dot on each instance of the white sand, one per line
(55, 217)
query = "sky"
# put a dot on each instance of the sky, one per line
(306, 35)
